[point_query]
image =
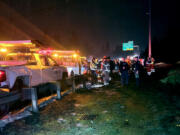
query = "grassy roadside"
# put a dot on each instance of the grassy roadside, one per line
(112, 110)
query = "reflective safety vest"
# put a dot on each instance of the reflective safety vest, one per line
(93, 66)
(106, 66)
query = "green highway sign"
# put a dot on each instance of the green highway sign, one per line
(129, 46)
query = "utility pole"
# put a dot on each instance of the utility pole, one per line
(150, 29)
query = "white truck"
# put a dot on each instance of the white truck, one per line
(24, 70)
(70, 59)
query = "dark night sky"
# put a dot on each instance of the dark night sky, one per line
(86, 24)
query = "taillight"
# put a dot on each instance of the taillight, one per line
(2, 76)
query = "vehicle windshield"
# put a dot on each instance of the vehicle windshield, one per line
(47, 61)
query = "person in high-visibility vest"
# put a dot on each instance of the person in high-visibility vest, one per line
(148, 66)
(152, 65)
(136, 69)
(128, 61)
(105, 66)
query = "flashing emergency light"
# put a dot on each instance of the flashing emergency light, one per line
(3, 50)
(45, 52)
(27, 43)
(6, 45)
(2, 76)
(120, 59)
(55, 55)
(131, 58)
(75, 55)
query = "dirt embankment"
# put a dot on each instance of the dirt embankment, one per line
(112, 110)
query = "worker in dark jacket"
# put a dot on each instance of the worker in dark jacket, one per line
(136, 68)
(105, 66)
(124, 72)
(93, 68)
(111, 63)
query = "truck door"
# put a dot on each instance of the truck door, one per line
(47, 73)
(33, 67)
(56, 70)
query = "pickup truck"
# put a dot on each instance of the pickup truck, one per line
(24, 70)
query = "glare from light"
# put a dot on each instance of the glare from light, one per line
(3, 50)
(69, 69)
(55, 55)
(75, 55)
(135, 56)
(120, 59)
(27, 43)
(131, 58)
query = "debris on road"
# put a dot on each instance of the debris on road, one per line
(11, 118)
(90, 86)
(105, 111)
(61, 120)
(79, 125)
(73, 114)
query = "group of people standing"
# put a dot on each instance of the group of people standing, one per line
(106, 69)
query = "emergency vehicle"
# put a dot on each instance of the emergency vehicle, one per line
(70, 59)
(21, 67)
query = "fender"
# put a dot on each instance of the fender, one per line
(17, 72)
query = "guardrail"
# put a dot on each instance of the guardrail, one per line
(32, 94)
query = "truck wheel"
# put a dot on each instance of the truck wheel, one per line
(4, 109)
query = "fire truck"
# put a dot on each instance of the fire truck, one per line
(70, 59)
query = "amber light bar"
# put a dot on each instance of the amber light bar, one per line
(17, 42)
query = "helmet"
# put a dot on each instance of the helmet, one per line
(105, 57)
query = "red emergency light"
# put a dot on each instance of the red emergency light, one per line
(45, 52)
(2, 76)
